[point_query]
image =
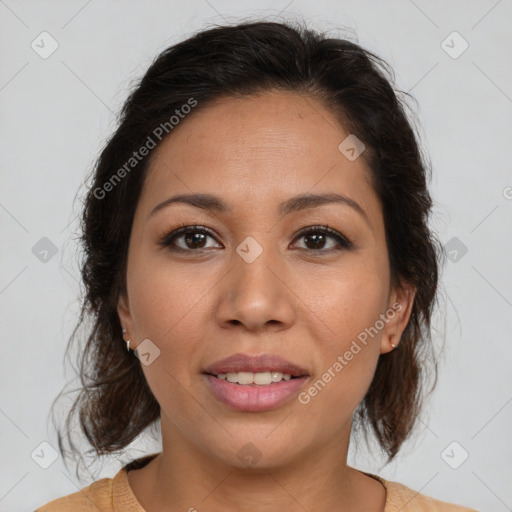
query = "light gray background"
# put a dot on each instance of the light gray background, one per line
(57, 112)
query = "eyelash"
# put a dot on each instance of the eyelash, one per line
(343, 242)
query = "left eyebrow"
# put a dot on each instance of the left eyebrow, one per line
(301, 202)
(305, 201)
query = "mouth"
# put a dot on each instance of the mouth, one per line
(258, 366)
(254, 383)
(258, 379)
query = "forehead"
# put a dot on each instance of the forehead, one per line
(256, 150)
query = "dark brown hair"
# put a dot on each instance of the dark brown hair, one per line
(115, 403)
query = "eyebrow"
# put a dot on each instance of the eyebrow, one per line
(213, 203)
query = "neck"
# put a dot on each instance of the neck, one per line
(185, 477)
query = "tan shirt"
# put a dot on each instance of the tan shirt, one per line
(115, 495)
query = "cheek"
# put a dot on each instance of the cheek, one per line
(167, 308)
(348, 302)
(349, 356)
(165, 297)
(171, 306)
(351, 309)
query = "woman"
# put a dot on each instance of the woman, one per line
(261, 277)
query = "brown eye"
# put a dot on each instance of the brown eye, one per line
(316, 239)
(194, 239)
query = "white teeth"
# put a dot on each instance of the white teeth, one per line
(260, 378)
(277, 376)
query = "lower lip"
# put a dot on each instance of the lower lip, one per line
(254, 398)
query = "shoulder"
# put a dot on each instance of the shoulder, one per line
(402, 498)
(105, 495)
(97, 496)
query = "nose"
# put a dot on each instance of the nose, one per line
(256, 295)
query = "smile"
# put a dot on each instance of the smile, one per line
(253, 397)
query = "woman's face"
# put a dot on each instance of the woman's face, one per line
(257, 283)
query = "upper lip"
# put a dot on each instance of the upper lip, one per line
(255, 364)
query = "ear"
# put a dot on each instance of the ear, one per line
(401, 300)
(125, 318)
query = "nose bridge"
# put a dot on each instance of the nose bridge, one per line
(253, 262)
(255, 292)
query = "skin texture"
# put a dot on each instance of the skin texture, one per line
(200, 307)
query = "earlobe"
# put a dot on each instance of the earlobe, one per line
(123, 311)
